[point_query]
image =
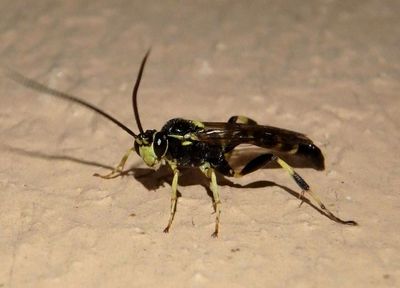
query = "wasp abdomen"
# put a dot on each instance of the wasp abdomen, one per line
(313, 153)
(290, 143)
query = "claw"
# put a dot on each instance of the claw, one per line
(112, 175)
(301, 197)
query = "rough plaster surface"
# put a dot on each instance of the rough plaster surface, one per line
(329, 69)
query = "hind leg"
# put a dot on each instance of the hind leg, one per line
(255, 164)
(262, 160)
(306, 189)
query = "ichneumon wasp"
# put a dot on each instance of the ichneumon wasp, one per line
(206, 145)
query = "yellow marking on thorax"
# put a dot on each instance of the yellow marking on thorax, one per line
(197, 123)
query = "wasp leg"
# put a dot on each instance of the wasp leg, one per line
(258, 163)
(174, 199)
(217, 202)
(117, 170)
(210, 173)
(241, 120)
(306, 189)
(255, 164)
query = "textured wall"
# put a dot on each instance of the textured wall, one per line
(329, 69)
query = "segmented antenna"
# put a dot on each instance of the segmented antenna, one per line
(135, 90)
(32, 84)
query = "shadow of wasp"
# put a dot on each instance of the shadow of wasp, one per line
(208, 146)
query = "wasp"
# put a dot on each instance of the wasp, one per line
(208, 146)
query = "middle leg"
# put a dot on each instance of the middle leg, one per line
(210, 173)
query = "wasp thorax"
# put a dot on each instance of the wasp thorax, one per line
(151, 146)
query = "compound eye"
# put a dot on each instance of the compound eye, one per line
(160, 144)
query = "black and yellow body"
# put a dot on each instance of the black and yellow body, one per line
(185, 143)
(207, 146)
(190, 143)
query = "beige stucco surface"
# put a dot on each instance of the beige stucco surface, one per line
(330, 69)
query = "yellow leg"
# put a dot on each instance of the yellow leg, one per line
(217, 201)
(302, 184)
(117, 170)
(210, 173)
(174, 199)
(306, 189)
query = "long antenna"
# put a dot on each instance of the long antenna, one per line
(32, 84)
(135, 90)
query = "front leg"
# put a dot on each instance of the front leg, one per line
(174, 198)
(117, 170)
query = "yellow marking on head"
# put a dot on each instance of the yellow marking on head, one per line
(148, 155)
